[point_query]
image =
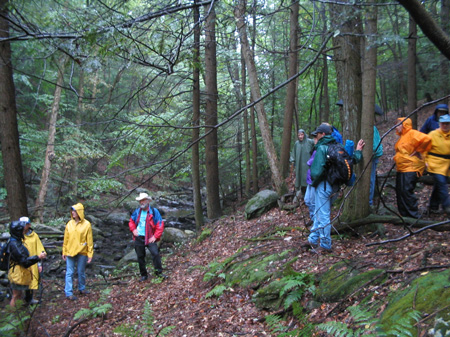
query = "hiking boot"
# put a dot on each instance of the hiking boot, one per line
(84, 292)
(143, 278)
(322, 250)
(308, 245)
(72, 298)
(435, 211)
(447, 210)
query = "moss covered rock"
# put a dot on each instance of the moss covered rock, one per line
(254, 271)
(261, 203)
(343, 279)
(428, 294)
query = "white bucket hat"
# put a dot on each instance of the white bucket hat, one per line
(143, 196)
(25, 219)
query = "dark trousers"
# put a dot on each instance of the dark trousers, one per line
(439, 195)
(139, 247)
(406, 199)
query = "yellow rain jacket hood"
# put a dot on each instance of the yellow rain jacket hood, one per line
(409, 147)
(78, 237)
(438, 158)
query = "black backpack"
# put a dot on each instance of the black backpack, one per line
(4, 256)
(339, 165)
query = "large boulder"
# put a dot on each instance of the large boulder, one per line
(174, 235)
(261, 202)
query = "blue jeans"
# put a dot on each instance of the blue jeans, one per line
(321, 228)
(373, 176)
(81, 261)
(310, 201)
(439, 195)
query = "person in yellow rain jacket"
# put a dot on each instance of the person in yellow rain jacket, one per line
(78, 248)
(35, 247)
(438, 165)
(410, 165)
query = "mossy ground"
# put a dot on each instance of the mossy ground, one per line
(429, 294)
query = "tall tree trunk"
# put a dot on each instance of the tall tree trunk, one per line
(445, 17)
(198, 211)
(50, 152)
(211, 156)
(359, 200)
(278, 181)
(248, 174)
(349, 75)
(412, 80)
(291, 90)
(325, 97)
(348, 67)
(9, 133)
(255, 177)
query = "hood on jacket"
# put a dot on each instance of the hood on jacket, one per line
(79, 208)
(407, 125)
(442, 107)
(16, 229)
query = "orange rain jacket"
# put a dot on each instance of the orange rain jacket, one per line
(408, 147)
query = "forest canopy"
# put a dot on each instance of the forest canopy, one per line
(124, 114)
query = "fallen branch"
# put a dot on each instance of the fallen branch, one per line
(401, 271)
(433, 226)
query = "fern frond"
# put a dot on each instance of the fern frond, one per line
(336, 329)
(165, 331)
(217, 291)
(292, 298)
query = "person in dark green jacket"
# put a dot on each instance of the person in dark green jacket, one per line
(299, 156)
(321, 229)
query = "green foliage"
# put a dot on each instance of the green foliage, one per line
(146, 326)
(280, 329)
(97, 186)
(96, 309)
(365, 324)
(217, 291)
(13, 322)
(296, 285)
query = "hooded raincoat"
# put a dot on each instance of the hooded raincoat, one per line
(20, 259)
(410, 166)
(35, 247)
(408, 147)
(299, 156)
(438, 158)
(78, 237)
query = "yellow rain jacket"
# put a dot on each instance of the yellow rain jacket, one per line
(35, 247)
(408, 147)
(438, 158)
(78, 236)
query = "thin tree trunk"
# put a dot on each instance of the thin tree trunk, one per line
(50, 152)
(9, 133)
(211, 157)
(280, 186)
(73, 162)
(291, 90)
(248, 172)
(198, 211)
(412, 80)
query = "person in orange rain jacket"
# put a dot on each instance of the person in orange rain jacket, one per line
(438, 165)
(410, 165)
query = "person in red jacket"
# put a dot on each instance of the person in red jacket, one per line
(147, 227)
